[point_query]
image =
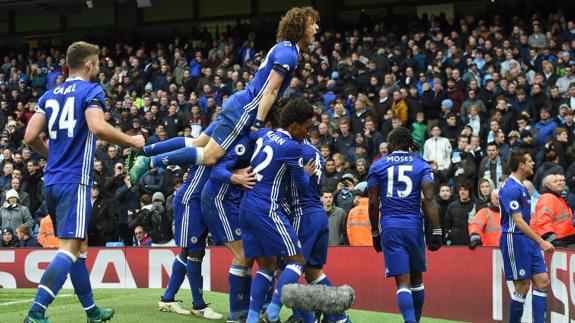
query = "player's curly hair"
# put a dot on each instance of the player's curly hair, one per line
(400, 139)
(297, 110)
(79, 52)
(292, 25)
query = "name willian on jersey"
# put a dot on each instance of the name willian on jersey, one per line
(273, 137)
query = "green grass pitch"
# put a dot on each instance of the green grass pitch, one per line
(140, 305)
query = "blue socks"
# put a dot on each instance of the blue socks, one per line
(52, 281)
(260, 285)
(196, 280)
(405, 302)
(418, 295)
(81, 280)
(168, 145)
(176, 279)
(290, 275)
(269, 294)
(323, 280)
(238, 280)
(516, 307)
(539, 305)
(182, 157)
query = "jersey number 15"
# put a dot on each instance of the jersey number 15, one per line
(401, 178)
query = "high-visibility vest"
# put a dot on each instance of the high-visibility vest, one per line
(358, 225)
(46, 237)
(552, 215)
(486, 223)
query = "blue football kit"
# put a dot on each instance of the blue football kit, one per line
(240, 110)
(68, 173)
(522, 257)
(221, 199)
(399, 176)
(306, 212)
(266, 230)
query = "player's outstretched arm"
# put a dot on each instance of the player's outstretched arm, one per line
(524, 227)
(373, 210)
(430, 209)
(105, 131)
(268, 98)
(32, 135)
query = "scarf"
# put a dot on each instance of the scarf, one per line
(498, 171)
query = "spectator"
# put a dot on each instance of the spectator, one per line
(485, 228)
(6, 176)
(8, 238)
(437, 149)
(142, 238)
(343, 195)
(35, 188)
(330, 177)
(553, 219)
(103, 225)
(358, 225)
(399, 107)
(484, 190)
(493, 166)
(151, 182)
(443, 201)
(128, 198)
(457, 217)
(24, 238)
(337, 220)
(12, 213)
(46, 236)
(154, 219)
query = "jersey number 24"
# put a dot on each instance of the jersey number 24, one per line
(65, 119)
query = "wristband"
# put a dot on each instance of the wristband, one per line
(437, 232)
(375, 233)
(259, 124)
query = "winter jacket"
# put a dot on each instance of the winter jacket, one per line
(457, 218)
(337, 226)
(14, 216)
(439, 150)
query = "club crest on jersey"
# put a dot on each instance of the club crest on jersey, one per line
(514, 205)
(240, 149)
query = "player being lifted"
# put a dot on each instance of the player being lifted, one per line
(74, 111)
(245, 109)
(523, 262)
(396, 183)
(266, 231)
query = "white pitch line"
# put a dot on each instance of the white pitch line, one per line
(28, 300)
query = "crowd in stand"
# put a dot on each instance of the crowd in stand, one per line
(470, 89)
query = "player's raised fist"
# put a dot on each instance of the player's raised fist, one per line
(138, 141)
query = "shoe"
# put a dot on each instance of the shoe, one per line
(241, 319)
(132, 154)
(207, 313)
(173, 307)
(141, 166)
(35, 317)
(105, 314)
(294, 319)
(265, 319)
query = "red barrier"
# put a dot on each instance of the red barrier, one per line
(460, 284)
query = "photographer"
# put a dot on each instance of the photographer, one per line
(343, 196)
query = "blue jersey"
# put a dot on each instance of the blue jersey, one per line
(281, 58)
(513, 198)
(72, 145)
(192, 187)
(399, 176)
(237, 158)
(277, 160)
(308, 200)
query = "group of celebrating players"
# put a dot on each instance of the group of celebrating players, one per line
(256, 190)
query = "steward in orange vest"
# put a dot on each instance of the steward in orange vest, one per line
(485, 226)
(358, 225)
(553, 218)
